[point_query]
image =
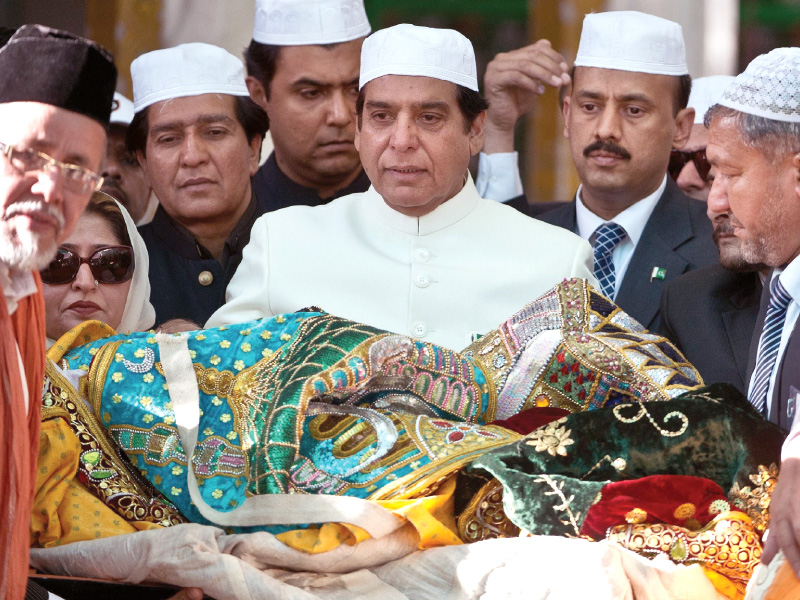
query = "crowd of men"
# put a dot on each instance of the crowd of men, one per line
(687, 216)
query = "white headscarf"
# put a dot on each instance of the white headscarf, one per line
(139, 314)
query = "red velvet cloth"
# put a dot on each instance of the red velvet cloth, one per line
(531, 419)
(19, 443)
(682, 500)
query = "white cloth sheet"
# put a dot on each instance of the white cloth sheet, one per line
(255, 566)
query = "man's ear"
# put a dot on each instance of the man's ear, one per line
(476, 134)
(255, 153)
(142, 162)
(565, 108)
(796, 167)
(683, 127)
(357, 139)
(257, 91)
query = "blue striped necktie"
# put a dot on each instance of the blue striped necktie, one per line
(768, 344)
(607, 237)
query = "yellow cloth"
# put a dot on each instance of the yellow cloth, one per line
(64, 511)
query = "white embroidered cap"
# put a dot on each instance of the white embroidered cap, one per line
(706, 92)
(632, 41)
(411, 50)
(769, 87)
(305, 22)
(121, 110)
(185, 70)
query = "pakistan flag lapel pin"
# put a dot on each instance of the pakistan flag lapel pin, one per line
(658, 273)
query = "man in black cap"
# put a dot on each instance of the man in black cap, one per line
(55, 101)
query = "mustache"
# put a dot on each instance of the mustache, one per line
(111, 188)
(607, 146)
(23, 207)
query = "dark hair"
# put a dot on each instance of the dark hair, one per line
(250, 115)
(105, 207)
(470, 102)
(261, 61)
(682, 91)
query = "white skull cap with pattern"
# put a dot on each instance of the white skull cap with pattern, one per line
(632, 41)
(185, 70)
(706, 92)
(422, 51)
(121, 110)
(769, 87)
(307, 22)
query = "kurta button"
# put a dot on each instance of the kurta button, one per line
(420, 329)
(205, 278)
(422, 254)
(422, 280)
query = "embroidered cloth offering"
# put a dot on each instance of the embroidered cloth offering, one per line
(309, 403)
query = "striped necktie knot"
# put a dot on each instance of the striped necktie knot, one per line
(769, 343)
(607, 238)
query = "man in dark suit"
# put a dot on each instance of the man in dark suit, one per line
(713, 307)
(753, 142)
(624, 112)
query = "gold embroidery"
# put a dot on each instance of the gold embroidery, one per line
(729, 544)
(636, 516)
(755, 501)
(484, 517)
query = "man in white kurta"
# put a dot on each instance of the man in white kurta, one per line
(420, 253)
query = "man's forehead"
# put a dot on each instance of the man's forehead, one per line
(409, 89)
(313, 62)
(51, 129)
(631, 80)
(190, 109)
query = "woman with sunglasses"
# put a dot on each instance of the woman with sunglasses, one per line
(100, 273)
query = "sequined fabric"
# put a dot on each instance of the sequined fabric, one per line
(574, 349)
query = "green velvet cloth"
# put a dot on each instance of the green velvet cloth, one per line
(553, 475)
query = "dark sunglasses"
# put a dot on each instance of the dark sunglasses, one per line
(679, 158)
(113, 264)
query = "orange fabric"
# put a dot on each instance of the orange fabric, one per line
(785, 585)
(19, 444)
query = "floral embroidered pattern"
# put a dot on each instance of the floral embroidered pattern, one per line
(551, 438)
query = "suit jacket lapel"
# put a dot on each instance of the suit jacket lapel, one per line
(668, 227)
(740, 318)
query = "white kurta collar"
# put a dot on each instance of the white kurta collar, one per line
(16, 286)
(445, 215)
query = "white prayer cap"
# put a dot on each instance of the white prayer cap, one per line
(769, 87)
(121, 110)
(632, 41)
(185, 70)
(706, 92)
(306, 22)
(411, 50)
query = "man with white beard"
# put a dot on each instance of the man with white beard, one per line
(55, 101)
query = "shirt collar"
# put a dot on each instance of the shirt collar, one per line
(790, 279)
(16, 285)
(444, 215)
(633, 219)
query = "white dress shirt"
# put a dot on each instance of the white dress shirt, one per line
(633, 220)
(498, 176)
(445, 277)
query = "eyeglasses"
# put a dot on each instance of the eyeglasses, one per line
(113, 264)
(78, 180)
(679, 158)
